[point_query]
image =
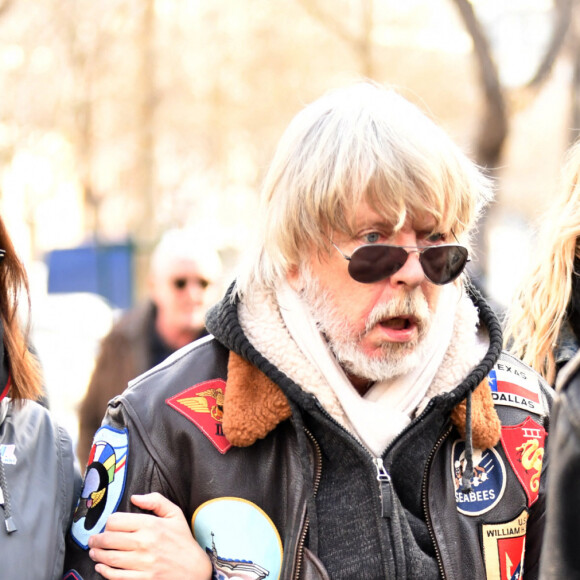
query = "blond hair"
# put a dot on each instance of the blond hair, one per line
(363, 142)
(538, 310)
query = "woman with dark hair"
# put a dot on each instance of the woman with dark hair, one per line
(38, 478)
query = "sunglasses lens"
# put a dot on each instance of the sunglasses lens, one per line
(373, 263)
(442, 264)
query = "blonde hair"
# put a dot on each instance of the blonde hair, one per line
(538, 310)
(363, 142)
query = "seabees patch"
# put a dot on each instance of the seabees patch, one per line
(103, 484)
(515, 387)
(203, 405)
(240, 539)
(504, 548)
(487, 484)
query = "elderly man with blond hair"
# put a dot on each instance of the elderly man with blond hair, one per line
(351, 415)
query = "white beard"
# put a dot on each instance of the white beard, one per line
(395, 358)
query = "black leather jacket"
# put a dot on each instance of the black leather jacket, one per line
(259, 505)
(561, 556)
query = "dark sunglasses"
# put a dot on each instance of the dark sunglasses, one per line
(373, 262)
(181, 283)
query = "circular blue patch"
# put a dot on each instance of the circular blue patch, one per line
(487, 484)
(240, 539)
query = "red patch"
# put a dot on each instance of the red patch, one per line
(511, 557)
(524, 446)
(203, 405)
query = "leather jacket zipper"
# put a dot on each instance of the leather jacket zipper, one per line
(385, 491)
(317, 476)
(425, 503)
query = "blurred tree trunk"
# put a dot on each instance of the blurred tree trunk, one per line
(336, 22)
(494, 125)
(144, 173)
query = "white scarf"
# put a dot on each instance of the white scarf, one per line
(281, 327)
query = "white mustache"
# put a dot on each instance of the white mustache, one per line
(413, 305)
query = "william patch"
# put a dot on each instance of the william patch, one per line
(487, 484)
(524, 447)
(240, 539)
(203, 405)
(515, 388)
(504, 547)
(103, 485)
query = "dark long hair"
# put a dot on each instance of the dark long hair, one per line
(23, 367)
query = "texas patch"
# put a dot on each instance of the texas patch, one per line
(512, 386)
(524, 447)
(504, 547)
(203, 405)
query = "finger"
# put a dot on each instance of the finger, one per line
(121, 560)
(116, 574)
(114, 541)
(156, 503)
(127, 522)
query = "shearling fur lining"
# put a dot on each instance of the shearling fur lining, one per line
(255, 404)
(484, 420)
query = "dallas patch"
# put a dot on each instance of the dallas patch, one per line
(524, 447)
(240, 539)
(103, 484)
(504, 547)
(487, 484)
(513, 387)
(203, 405)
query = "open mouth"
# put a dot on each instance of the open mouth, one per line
(399, 323)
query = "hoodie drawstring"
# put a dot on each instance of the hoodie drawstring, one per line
(468, 471)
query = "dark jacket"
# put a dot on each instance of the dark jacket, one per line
(289, 488)
(561, 556)
(125, 353)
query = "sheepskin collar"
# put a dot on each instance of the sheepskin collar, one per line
(254, 404)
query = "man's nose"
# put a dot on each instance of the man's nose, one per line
(411, 274)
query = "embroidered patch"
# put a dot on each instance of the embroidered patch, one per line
(203, 405)
(7, 454)
(72, 575)
(524, 446)
(103, 485)
(487, 484)
(240, 539)
(504, 547)
(513, 387)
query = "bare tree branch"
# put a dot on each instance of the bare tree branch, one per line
(494, 126)
(559, 31)
(333, 24)
(5, 5)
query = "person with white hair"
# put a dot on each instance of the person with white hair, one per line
(183, 273)
(352, 414)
